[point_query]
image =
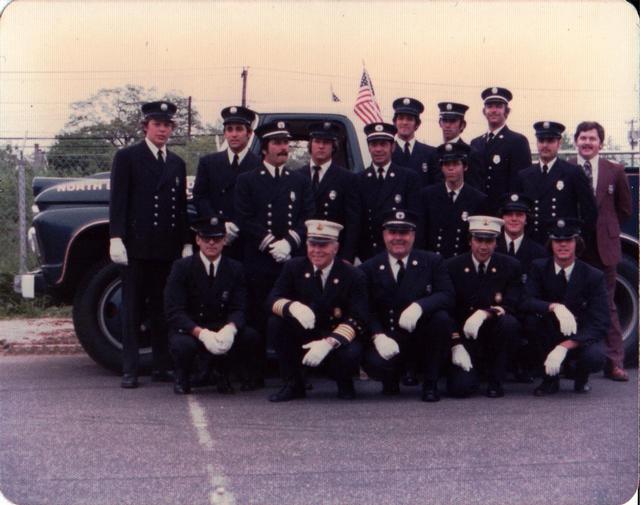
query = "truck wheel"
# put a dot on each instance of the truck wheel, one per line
(626, 299)
(97, 317)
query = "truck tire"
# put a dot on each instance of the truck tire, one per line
(97, 318)
(626, 299)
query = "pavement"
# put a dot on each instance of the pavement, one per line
(70, 435)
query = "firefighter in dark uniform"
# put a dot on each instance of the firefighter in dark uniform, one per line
(409, 294)
(513, 241)
(557, 188)
(148, 230)
(514, 210)
(567, 300)
(503, 152)
(271, 205)
(408, 152)
(205, 301)
(382, 186)
(488, 289)
(320, 309)
(214, 187)
(452, 123)
(447, 205)
(334, 187)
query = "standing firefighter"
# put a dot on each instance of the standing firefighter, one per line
(148, 230)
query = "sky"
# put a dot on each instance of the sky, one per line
(565, 61)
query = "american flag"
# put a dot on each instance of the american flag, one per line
(366, 107)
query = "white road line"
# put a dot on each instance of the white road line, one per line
(219, 494)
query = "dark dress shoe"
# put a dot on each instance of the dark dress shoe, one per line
(290, 391)
(129, 381)
(430, 393)
(581, 383)
(617, 374)
(548, 386)
(224, 386)
(162, 376)
(409, 379)
(494, 390)
(181, 388)
(390, 388)
(346, 391)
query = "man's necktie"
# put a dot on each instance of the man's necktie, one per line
(211, 274)
(588, 172)
(235, 162)
(400, 275)
(407, 152)
(277, 176)
(160, 157)
(512, 248)
(380, 174)
(490, 137)
(315, 180)
(452, 196)
(545, 169)
(562, 276)
(481, 269)
(317, 275)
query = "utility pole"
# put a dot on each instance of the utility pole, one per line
(189, 119)
(245, 72)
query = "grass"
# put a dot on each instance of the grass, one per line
(12, 305)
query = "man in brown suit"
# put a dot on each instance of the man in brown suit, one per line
(613, 198)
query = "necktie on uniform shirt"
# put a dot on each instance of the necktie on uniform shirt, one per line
(545, 169)
(380, 174)
(235, 162)
(401, 271)
(315, 180)
(562, 276)
(490, 137)
(317, 275)
(212, 275)
(407, 151)
(452, 196)
(277, 173)
(160, 157)
(512, 248)
(481, 269)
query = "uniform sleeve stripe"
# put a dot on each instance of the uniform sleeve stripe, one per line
(295, 236)
(266, 241)
(278, 306)
(345, 331)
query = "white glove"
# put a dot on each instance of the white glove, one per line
(280, 250)
(386, 346)
(473, 324)
(225, 336)
(409, 317)
(499, 310)
(318, 350)
(554, 360)
(460, 357)
(117, 251)
(210, 341)
(187, 250)
(303, 314)
(232, 232)
(568, 325)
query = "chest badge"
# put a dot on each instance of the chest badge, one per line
(397, 198)
(496, 158)
(292, 196)
(464, 216)
(332, 194)
(428, 289)
(560, 185)
(425, 167)
(610, 189)
(225, 296)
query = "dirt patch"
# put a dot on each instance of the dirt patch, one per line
(38, 336)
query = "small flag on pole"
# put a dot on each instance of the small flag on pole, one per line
(366, 107)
